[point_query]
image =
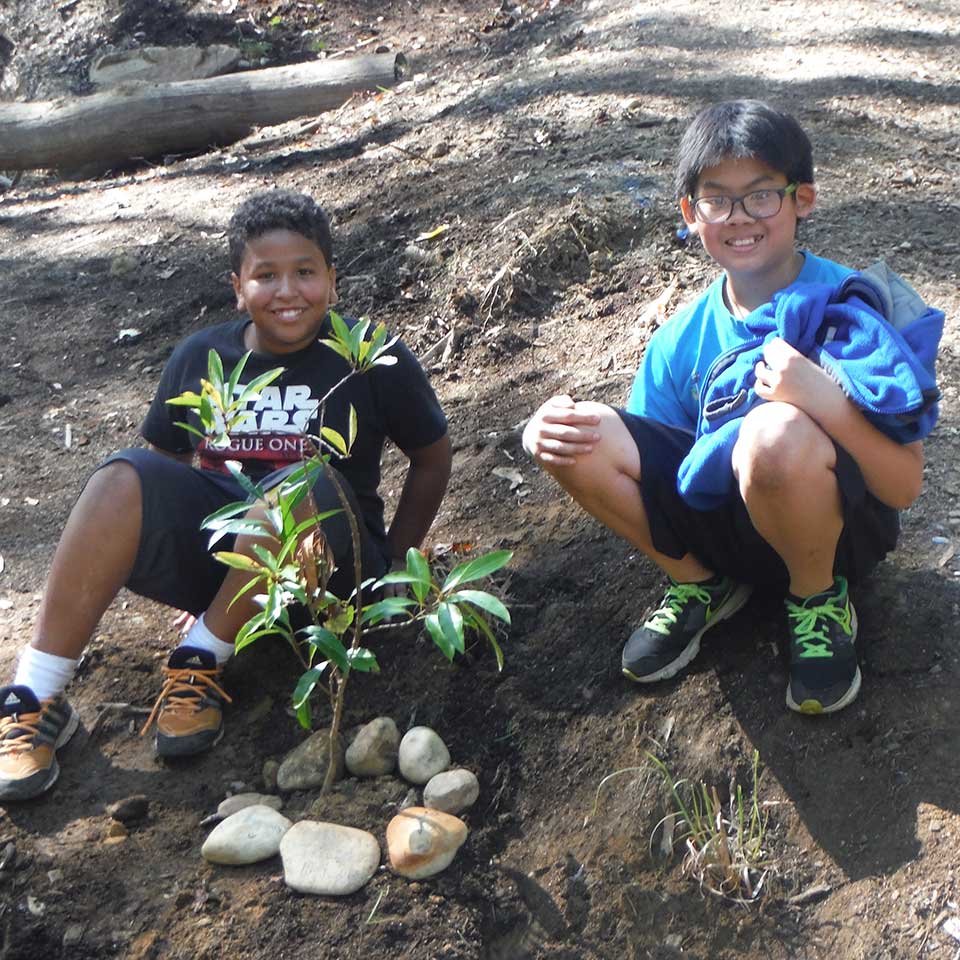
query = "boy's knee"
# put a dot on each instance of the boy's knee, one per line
(778, 445)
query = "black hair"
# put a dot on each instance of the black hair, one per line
(739, 129)
(278, 210)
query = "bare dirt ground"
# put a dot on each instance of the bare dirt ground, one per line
(543, 137)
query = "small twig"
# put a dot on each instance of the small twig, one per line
(411, 153)
(124, 709)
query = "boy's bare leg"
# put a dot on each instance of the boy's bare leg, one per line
(784, 464)
(605, 482)
(92, 562)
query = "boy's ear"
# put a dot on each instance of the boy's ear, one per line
(686, 209)
(806, 199)
(333, 297)
(241, 303)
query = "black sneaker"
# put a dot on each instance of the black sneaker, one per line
(31, 732)
(824, 673)
(670, 638)
(188, 711)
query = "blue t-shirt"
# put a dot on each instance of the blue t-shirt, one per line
(678, 356)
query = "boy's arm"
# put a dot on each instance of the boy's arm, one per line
(893, 472)
(423, 490)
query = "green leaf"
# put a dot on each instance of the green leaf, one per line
(330, 644)
(250, 631)
(486, 601)
(418, 567)
(477, 622)
(252, 390)
(215, 371)
(337, 347)
(186, 399)
(477, 568)
(304, 715)
(235, 376)
(438, 637)
(356, 338)
(253, 490)
(266, 557)
(276, 518)
(190, 429)
(241, 526)
(239, 561)
(207, 415)
(385, 360)
(374, 613)
(341, 623)
(307, 683)
(351, 439)
(363, 660)
(225, 513)
(451, 623)
(340, 330)
(401, 576)
(335, 439)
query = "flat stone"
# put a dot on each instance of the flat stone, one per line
(451, 791)
(162, 64)
(248, 836)
(327, 858)
(373, 752)
(305, 767)
(422, 842)
(422, 755)
(238, 801)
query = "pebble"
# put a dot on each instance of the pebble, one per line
(238, 801)
(248, 836)
(269, 774)
(117, 829)
(422, 755)
(130, 809)
(452, 791)
(328, 859)
(306, 765)
(422, 842)
(374, 750)
(72, 935)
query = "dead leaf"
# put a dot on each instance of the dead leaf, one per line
(947, 555)
(432, 234)
(509, 473)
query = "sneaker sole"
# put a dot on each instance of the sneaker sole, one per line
(10, 791)
(173, 747)
(814, 708)
(733, 604)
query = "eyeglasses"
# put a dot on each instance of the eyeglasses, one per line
(758, 205)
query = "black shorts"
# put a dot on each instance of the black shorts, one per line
(174, 564)
(725, 540)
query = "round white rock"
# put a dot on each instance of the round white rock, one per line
(422, 755)
(248, 836)
(327, 858)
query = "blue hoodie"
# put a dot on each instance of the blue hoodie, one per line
(872, 334)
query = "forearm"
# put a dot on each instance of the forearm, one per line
(893, 472)
(423, 490)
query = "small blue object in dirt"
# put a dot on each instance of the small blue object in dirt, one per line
(683, 235)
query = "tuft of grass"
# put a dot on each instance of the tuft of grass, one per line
(724, 846)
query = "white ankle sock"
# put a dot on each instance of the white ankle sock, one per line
(44, 673)
(199, 635)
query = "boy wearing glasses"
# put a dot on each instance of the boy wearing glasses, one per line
(814, 485)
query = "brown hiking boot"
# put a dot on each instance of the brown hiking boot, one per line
(31, 732)
(188, 710)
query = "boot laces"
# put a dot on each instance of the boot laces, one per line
(674, 600)
(184, 690)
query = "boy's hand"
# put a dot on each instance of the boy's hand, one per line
(787, 376)
(557, 434)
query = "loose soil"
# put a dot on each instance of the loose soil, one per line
(542, 138)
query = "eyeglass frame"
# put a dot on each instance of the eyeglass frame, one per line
(782, 192)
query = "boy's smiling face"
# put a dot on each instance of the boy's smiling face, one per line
(759, 252)
(286, 286)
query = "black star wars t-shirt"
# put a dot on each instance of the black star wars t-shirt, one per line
(395, 402)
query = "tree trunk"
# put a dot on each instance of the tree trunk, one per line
(148, 120)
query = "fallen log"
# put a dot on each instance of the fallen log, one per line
(148, 120)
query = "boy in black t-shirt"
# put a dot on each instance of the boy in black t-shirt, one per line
(152, 500)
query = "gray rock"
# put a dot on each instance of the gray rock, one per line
(452, 791)
(249, 836)
(328, 859)
(162, 64)
(72, 935)
(306, 766)
(374, 750)
(239, 801)
(422, 755)
(130, 809)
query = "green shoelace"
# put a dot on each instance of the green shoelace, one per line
(674, 600)
(810, 628)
